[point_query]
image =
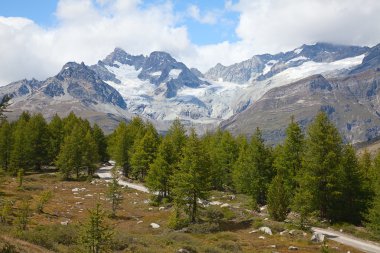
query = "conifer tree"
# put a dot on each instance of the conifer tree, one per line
(19, 156)
(38, 141)
(245, 174)
(96, 236)
(191, 182)
(354, 194)
(278, 198)
(55, 128)
(144, 152)
(162, 168)
(70, 156)
(90, 154)
(320, 186)
(119, 146)
(5, 144)
(223, 152)
(101, 143)
(177, 135)
(114, 192)
(253, 170)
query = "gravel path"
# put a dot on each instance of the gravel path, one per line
(365, 246)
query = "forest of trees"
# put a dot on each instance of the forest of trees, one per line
(313, 173)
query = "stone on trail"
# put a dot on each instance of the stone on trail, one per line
(293, 248)
(266, 230)
(154, 225)
(317, 237)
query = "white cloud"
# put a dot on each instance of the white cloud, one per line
(277, 25)
(210, 17)
(88, 30)
(86, 33)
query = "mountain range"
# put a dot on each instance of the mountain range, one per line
(263, 91)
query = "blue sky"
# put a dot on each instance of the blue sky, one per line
(223, 29)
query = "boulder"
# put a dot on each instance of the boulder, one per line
(262, 237)
(317, 237)
(225, 205)
(266, 230)
(293, 248)
(154, 225)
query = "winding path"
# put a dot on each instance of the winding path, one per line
(365, 246)
(105, 173)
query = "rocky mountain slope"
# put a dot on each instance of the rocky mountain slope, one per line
(261, 91)
(75, 88)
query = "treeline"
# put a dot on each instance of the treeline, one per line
(70, 143)
(314, 174)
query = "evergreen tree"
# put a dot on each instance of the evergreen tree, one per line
(90, 154)
(287, 164)
(119, 146)
(95, 236)
(19, 156)
(320, 180)
(223, 153)
(5, 144)
(245, 174)
(263, 161)
(114, 192)
(144, 152)
(191, 182)
(177, 135)
(101, 143)
(253, 170)
(37, 141)
(354, 194)
(289, 161)
(55, 128)
(70, 156)
(278, 198)
(163, 167)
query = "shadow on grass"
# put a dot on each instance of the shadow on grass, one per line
(235, 226)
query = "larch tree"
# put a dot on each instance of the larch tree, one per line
(144, 152)
(320, 179)
(192, 182)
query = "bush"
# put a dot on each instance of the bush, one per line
(49, 236)
(214, 214)
(229, 246)
(8, 248)
(204, 228)
(176, 222)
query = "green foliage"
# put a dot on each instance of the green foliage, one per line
(20, 178)
(6, 211)
(22, 218)
(78, 153)
(278, 198)
(55, 128)
(95, 236)
(144, 152)
(191, 182)
(222, 150)
(51, 236)
(43, 199)
(101, 143)
(253, 170)
(114, 192)
(320, 185)
(5, 144)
